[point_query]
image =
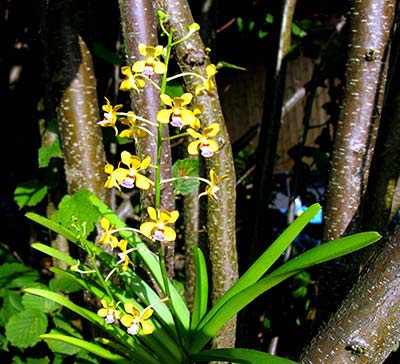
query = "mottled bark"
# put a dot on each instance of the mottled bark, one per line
(139, 26)
(365, 328)
(382, 203)
(81, 138)
(370, 23)
(71, 91)
(191, 216)
(191, 56)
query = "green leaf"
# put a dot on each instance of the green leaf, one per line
(91, 347)
(164, 341)
(297, 31)
(77, 213)
(267, 259)
(54, 253)
(62, 347)
(201, 287)
(237, 355)
(41, 304)
(24, 328)
(148, 258)
(328, 251)
(10, 271)
(136, 350)
(57, 228)
(63, 284)
(48, 152)
(29, 193)
(11, 305)
(102, 52)
(174, 89)
(188, 167)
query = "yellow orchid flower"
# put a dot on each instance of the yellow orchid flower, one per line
(107, 237)
(204, 144)
(111, 181)
(110, 115)
(109, 311)
(131, 82)
(177, 114)
(151, 64)
(133, 131)
(124, 257)
(158, 229)
(129, 177)
(207, 86)
(213, 188)
(136, 320)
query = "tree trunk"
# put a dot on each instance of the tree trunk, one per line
(139, 26)
(382, 203)
(370, 26)
(73, 93)
(365, 329)
(192, 56)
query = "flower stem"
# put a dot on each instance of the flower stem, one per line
(160, 127)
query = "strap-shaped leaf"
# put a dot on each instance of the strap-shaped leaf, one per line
(201, 287)
(237, 355)
(164, 338)
(90, 347)
(150, 261)
(136, 350)
(266, 260)
(55, 253)
(328, 251)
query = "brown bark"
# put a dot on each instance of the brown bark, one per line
(382, 203)
(139, 26)
(71, 91)
(370, 26)
(191, 56)
(369, 31)
(81, 138)
(365, 328)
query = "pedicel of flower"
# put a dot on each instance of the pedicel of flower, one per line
(134, 130)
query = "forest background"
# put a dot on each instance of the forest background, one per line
(310, 102)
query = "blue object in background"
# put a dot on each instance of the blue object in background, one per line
(299, 208)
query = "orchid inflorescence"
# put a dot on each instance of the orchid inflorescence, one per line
(176, 112)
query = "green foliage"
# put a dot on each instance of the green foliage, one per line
(102, 52)
(23, 316)
(30, 193)
(174, 339)
(70, 213)
(47, 153)
(188, 167)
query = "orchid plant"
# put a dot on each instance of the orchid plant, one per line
(150, 323)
